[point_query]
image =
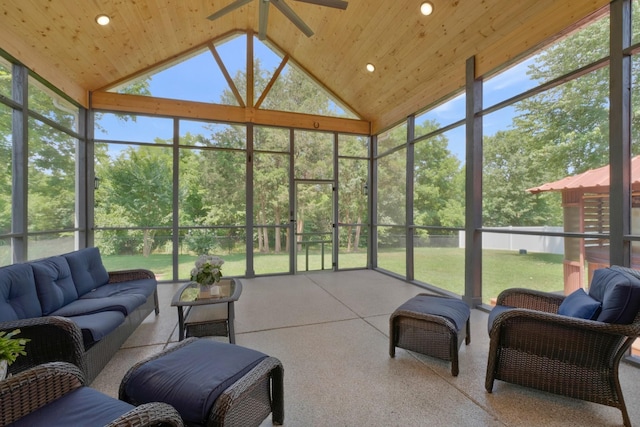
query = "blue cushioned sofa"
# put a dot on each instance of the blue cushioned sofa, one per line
(72, 309)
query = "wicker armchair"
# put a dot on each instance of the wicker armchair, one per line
(41, 388)
(52, 339)
(534, 347)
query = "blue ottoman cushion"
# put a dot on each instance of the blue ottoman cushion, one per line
(455, 310)
(192, 377)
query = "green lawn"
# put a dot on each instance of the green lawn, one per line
(442, 267)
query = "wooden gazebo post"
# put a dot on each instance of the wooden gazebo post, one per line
(573, 262)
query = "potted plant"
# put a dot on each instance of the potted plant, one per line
(208, 272)
(10, 349)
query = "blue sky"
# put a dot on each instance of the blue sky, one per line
(200, 79)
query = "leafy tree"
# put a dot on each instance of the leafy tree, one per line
(392, 179)
(6, 168)
(560, 132)
(136, 191)
(508, 173)
(51, 171)
(353, 177)
(293, 91)
(439, 182)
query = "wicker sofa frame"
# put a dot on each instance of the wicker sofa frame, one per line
(34, 388)
(534, 347)
(247, 402)
(54, 338)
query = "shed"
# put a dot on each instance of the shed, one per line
(585, 202)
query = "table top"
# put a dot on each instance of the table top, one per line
(189, 294)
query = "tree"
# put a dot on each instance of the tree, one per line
(560, 132)
(507, 175)
(136, 191)
(293, 91)
(439, 182)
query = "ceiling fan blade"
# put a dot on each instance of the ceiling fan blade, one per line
(263, 19)
(338, 4)
(289, 13)
(236, 4)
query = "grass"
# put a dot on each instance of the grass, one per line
(442, 267)
(234, 264)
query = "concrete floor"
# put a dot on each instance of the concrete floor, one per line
(330, 330)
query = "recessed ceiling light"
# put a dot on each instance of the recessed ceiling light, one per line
(426, 8)
(103, 19)
(371, 68)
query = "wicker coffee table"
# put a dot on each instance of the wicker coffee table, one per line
(207, 315)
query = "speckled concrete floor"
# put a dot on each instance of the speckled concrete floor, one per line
(330, 330)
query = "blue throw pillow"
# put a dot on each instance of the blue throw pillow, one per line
(579, 304)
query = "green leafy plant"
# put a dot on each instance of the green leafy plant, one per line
(208, 269)
(10, 347)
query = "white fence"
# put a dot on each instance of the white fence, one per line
(517, 242)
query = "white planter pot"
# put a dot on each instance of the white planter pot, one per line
(209, 291)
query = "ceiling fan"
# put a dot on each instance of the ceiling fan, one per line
(282, 7)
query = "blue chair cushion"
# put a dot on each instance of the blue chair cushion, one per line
(192, 377)
(498, 309)
(83, 406)
(455, 310)
(87, 270)
(96, 326)
(619, 293)
(54, 283)
(18, 295)
(579, 304)
(126, 304)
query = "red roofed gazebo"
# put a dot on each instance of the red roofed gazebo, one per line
(585, 200)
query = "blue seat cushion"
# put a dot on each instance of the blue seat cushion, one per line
(83, 406)
(54, 283)
(126, 304)
(18, 294)
(192, 377)
(143, 287)
(87, 270)
(619, 293)
(579, 304)
(455, 310)
(96, 326)
(497, 310)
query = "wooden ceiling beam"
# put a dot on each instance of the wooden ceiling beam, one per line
(224, 113)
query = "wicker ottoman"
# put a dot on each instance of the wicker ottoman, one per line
(210, 383)
(431, 325)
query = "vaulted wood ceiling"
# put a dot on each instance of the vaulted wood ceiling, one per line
(419, 59)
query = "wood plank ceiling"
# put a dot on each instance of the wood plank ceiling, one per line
(418, 59)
